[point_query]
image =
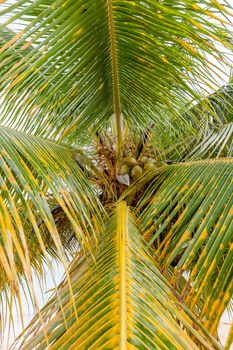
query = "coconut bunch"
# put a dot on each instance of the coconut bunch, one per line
(135, 168)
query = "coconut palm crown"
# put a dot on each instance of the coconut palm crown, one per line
(116, 145)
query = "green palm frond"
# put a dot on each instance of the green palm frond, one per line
(36, 175)
(217, 143)
(205, 131)
(122, 301)
(187, 216)
(79, 61)
(214, 138)
(160, 54)
(61, 81)
(222, 103)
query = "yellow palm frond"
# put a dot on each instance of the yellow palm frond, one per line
(122, 302)
(187, 217)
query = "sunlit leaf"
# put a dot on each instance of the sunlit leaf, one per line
(187, 217)
(122, 301)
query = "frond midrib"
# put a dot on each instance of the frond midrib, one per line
(115, 80)
(123, 243)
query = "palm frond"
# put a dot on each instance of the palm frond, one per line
(122, 301)
(57, 70)
(164, 52)
(214, 138)
(35, 175)
(206, 132)
(217, 143)
(55, 67)
(187, 216)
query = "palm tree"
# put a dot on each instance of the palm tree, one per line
(115, 160)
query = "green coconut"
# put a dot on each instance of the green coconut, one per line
(148, 166)
(136, 171)
(129, 161)
(124, 169)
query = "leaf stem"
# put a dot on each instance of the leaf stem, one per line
(116, 92)
(122, 219)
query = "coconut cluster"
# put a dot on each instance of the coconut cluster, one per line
(132, 167)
